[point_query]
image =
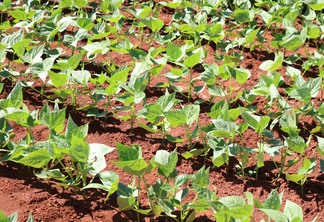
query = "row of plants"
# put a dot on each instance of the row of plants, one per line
(57, 41)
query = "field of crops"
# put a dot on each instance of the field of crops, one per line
(203, 110)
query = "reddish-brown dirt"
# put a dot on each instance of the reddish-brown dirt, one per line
(21, 191)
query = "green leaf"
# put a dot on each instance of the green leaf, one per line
(134, 167)
(166, 162)
(13, 217)
(173, 52)
(192, 60)
(322, 165)
(53, 119)
(79, 150)
(154, 24)
(126, 203)
(3, 218)
(200, 179)
(72, 130)
(14, 99)
(263, 123)
(96, 160)
(249, 39)
(232, 202)
(275, 215)
(127, 153)
(296, 143)
(242, 213)
(250, 119)
(54, 173)
(19, 15)
(320, 145)
(36, 159)
(210, 73)
(119, 76)
(109, 181)
(315, 86)
(241, 15)
(224, 129)
(270, 65)
(176, 117)
(239, 74)
(293, 211)
(192, 113)
(296, 178)
(273, 201)
(292, 43)
(81, 76)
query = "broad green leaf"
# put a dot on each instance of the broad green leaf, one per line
(13, 38)
(241, 15)
(270, 65)
(81, 76)
(13, 217)
(36, 159)
(296, 143)
(154, 24)
(315, 86)
(58, 79)
(250, 119)
(224, 129)
(239, 74)
(316, 5)
(232, 202)
(292, 43)
(322, 165)
(134, 167)
(79, 150)
(320, 145)
(53, 119)
(126, 203)
(21, 117)
(192, 113)
(296, 178)
(275, 215)
(20, 47)
(166, 162)
(220, 157)
(263, 123)
(119, 76)
(174, 52)
(249, 39)
(242, 213)
(210, 73)
(96, 159)
(128, 153)
(72, 130)
(273, 201)
(14, 99)
(167, 101)
(19, 15)
(3, 218)
(80, 3)
(54, 173)
(66, 3)
(200, 179)
(293, 211)
(85, 23)
(181, 180)
(192, 153)
(110, 181)
(176, 117)
(192, 60)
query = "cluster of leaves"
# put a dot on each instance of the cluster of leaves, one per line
(56, 46)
